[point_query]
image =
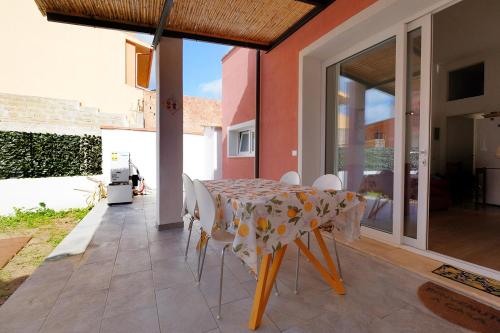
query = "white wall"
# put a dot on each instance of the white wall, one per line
(458, 46)
(56, 192)
(202, 154)
(142, 148)
(202, 160)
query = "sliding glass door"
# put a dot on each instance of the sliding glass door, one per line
(360, 129)
(416, 133)
(377, 131)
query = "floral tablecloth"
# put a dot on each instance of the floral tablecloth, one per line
(266, 214)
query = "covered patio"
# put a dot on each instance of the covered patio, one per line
(133, 278)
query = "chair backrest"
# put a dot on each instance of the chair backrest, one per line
(206, 206)
(291, 178)
(328, 182)
(190, 197)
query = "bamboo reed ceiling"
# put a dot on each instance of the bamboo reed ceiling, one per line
(253, 21)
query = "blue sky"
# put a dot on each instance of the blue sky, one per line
(202, 72)
(379, 105)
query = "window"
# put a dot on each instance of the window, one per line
(138, 62)
(244, 143)
(241, 139)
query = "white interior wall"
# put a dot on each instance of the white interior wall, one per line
(457, 46)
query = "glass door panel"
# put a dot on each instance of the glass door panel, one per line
(412, 133)
(416, 133)
(360, 129)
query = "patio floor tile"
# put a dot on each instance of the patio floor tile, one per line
(184, 309)
(234, 318)
(145, 320)
(170, 272)
(131, 261)
(78, 313)
(89, 277)
(133, 278)
(130, 292)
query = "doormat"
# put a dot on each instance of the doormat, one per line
(491, 286)
(9, 248)
(459, 309)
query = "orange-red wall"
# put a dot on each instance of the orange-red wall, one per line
(238, 105)
(280, 88)
(279, 93)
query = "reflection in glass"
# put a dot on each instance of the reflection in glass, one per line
(412, 120)
(360, 128)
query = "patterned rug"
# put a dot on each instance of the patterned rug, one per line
(459, 309)
(491, 286)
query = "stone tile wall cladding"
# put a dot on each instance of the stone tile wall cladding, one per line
(51, 115)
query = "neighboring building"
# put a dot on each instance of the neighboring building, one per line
(238, 113)
(100, 74)
(198, 113)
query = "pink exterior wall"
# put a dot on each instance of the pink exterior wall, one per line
(279, 93)
(238, 105)
(280, 86)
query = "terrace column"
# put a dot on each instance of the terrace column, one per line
(169, 196)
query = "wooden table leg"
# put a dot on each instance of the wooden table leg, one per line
(336, 284)
(259, 293)
(265, 284)
(339, 286)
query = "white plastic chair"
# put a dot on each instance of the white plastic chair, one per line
(189, 206)
(325, 182)
(207, 208)
(291, 178)
(328, 182)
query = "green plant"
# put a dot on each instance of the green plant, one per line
(34, 155)
(37, 217)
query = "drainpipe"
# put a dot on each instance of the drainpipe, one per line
(257, 115)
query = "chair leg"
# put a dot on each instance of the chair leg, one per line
(296, 291)
(308, 242)
(276, 290)
(200, 271)
(337, 255)
(221, 278)
(189, 238)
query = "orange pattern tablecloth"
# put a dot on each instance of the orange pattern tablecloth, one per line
(266, 214)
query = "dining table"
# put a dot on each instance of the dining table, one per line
(266, 216)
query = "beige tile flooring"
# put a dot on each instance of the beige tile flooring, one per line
(418, 264)
(133, 278)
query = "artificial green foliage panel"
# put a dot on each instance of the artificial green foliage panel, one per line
(36, 155)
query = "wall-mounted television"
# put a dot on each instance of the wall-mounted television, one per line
(466, 82)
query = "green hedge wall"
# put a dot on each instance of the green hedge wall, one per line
(35, 155)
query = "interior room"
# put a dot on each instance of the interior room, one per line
(464, 206)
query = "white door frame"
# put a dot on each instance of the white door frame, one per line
(425, 24)
(338, 45)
